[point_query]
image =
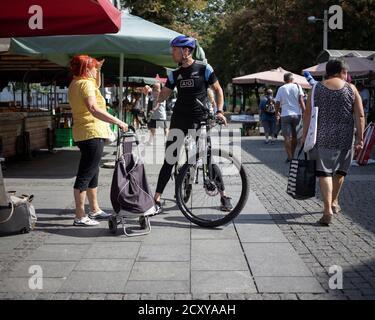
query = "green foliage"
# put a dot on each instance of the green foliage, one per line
(271, 33)
(247, 36)
(173, 14)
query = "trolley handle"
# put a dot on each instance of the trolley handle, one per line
(129, 134)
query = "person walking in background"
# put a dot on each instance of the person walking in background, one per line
(211, 101)
(90, 129)
(365, 96)
(267, 111)
(158, 114)
(290, 99)
(339, 108)
(137, 109)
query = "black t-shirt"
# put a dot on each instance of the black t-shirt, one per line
(192, 83)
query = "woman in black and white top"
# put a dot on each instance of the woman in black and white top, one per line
(339, 109)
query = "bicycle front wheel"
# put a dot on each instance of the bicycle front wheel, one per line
(200, 188)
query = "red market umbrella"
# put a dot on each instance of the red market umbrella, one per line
(32, 18)
(271, 77)
(162, 80)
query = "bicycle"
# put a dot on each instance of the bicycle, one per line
(208, 172)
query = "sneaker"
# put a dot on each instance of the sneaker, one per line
(99, 215)
(272, 142)
(85, 222)
(266, 142)
(226, 205)
(158, 208)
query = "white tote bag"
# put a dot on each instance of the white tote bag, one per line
(112, 137)
(311, 133)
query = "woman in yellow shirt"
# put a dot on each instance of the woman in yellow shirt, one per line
(90, 129)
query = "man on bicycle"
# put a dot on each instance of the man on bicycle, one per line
(192, 80)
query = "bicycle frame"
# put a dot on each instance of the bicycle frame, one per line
(203, 147)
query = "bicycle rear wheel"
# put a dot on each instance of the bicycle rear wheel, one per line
(198, 193)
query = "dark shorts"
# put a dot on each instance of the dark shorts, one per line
(331, 162)
(289, 126)
(153, 124)
(269, 126)
(88, 170)
(137, 112)
(184, 123)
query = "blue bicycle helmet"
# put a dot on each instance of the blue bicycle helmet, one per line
(183, 41)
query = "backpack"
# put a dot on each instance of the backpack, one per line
(270, 107)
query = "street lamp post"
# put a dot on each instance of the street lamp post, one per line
(313, 19)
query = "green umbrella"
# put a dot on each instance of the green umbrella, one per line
(138, 39)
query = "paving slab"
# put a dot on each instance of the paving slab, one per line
(21, 285)
(9, 243)
(50, 269)
(263, 231)
(160, 271)
(73, 235)
(103, 250)
(109, 265)
(220, 233)
(64, 252)
(164, 253)
(222, 282)
(253, 210)
(288, 285)
(219, 255)
(95, 282)
(275, 260)
(157, 287)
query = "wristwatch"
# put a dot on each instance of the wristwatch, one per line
(219, 111)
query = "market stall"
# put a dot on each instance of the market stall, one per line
(24, 132)
(137, 40)
(358, 67)
(67, 17)
(253, 82)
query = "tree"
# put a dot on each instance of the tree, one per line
(267, 34)
(246, 36)
(173, 14)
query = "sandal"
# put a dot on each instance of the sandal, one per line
(326, 220)
(336, 209)
(85, 222)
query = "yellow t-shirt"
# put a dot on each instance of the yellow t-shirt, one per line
(85, 125)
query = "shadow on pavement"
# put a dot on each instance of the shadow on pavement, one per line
(61, 165)
(356, 199)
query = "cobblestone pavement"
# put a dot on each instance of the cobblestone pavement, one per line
(348, 243)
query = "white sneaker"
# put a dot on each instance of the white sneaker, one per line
(85, 222)
(99, 215)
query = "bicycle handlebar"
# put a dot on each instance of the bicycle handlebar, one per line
(208, 113)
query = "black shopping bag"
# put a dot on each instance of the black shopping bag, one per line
(302, 180)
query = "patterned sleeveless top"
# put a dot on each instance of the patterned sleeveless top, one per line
(335, 118)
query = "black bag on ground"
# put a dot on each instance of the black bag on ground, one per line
(302, 179)
(130, 191)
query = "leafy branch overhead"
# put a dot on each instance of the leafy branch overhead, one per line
(248, 36)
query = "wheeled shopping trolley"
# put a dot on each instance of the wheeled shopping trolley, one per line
(130, 193)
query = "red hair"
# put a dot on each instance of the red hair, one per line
(81, 63)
